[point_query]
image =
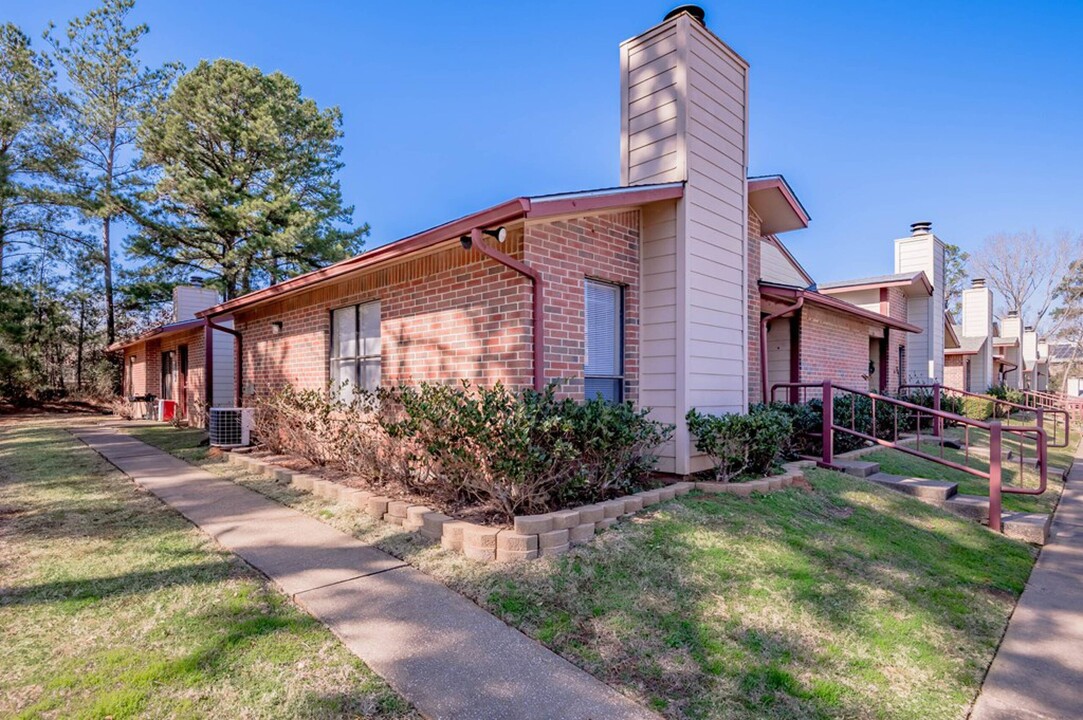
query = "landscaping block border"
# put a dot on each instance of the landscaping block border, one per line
(530, 537)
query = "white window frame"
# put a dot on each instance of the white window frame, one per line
(361, 359)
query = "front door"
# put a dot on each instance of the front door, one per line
(182, 381)
(167, 376)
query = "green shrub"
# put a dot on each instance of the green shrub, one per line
(741, 445)
(806, 421)
(510, 451)
(977, 408)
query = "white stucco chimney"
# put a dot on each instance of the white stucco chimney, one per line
(922, 250)
(977, 322)
(684, 118)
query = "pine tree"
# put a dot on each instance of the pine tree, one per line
(34, 154)
(111, 92)
(247, 192)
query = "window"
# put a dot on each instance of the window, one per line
(603, 369)
(355, 349)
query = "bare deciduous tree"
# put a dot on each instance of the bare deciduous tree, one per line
(1026, 269)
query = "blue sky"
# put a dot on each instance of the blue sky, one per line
(964, 113)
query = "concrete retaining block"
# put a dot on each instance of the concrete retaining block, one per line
(302, 482)
(613, 508)
(432, 525)
(604, 524)
(393, 519)
(632, 504)
(511, 540)
(776, 482)
(533, 524)
(282, 475)
(650, 497)
(667, 493)
(377, 506)
(359, 500)
(565, 519)
(325, 489)
(479, 542)
(415, 517)
(451, 535)
(681, 488)
(397, 508)
(591, 513)
(760, 486)
(581, 534)
(515, 555)
(552, 539)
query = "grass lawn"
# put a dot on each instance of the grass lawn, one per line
(847, 601)
(899, 463)
(113, 606)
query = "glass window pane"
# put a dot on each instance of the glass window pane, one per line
(603, 329)
(370, 328)
(607, 388)
(344, 321)
(344, 378)
(369, 371)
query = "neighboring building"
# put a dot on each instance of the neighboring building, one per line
(970, 365)
(168, 361)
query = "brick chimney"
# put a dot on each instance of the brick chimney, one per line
(684, 115)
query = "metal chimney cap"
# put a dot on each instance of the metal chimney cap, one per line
(977, 283)
(195, 281)
(921, 228)
(695, 11)
(1013, 313)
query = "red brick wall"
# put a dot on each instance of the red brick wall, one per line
(147, 372)
(954, 371)
(833, 347)
(457, 314)
(450, 315)
(755, 250)
(566, 252)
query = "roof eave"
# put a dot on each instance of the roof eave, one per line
(837, 305)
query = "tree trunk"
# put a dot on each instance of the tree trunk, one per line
(107, 253)
(79, 342)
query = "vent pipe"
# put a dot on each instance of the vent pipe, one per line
(695, 11)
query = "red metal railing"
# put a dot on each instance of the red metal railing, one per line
(1051, 401)
(1003, 409)
(917, 415)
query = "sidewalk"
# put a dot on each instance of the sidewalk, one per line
(444, 654)
(1038, 670)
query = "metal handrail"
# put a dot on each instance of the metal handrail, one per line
(1040, 413)
(996, 435)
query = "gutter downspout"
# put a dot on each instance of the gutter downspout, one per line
(209, 326)
(477, 240)
(763, 344)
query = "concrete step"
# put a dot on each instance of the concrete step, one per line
(1028, 527)
(937, 491)
(972, 507)
(858, 468)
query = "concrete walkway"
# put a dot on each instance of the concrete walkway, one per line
(1038, 670)
(443, 653)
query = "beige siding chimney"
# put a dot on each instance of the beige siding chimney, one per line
(684, 117)
(924, 251)
(190, 299)
(977, 322)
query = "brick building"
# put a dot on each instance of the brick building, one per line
(169, 361)
(655, 291)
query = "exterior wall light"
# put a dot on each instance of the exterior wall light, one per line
(276, 328)
(500, 234)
